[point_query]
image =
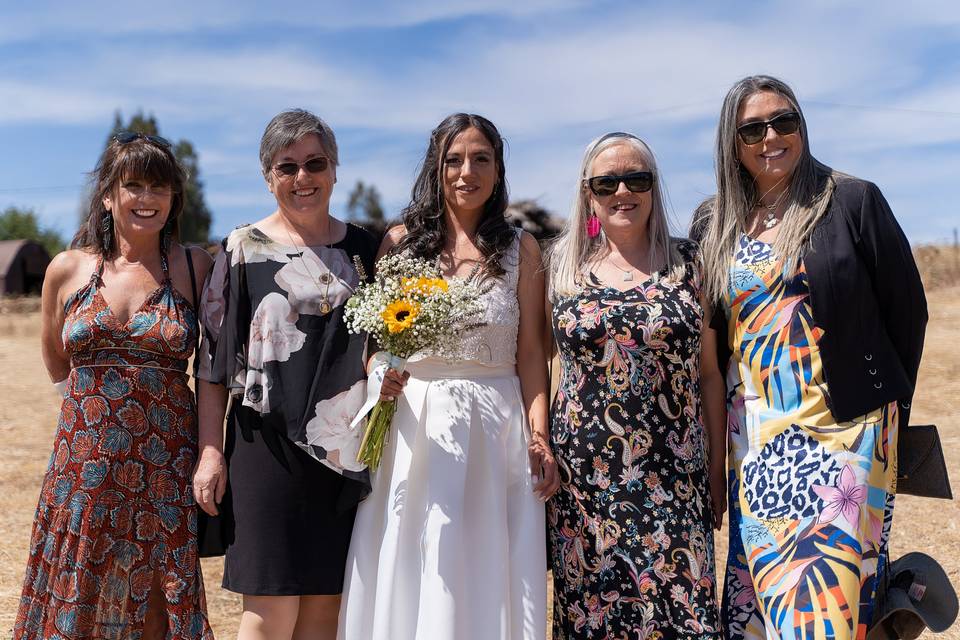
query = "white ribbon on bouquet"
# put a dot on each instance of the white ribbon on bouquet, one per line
(382, 360)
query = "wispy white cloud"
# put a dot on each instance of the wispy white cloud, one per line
(552, 77)
(103, 18)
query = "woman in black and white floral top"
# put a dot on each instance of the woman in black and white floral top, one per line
(276, 344)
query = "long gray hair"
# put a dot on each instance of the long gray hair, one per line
(723, 218)
(574, 250)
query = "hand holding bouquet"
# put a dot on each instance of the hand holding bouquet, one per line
(407, 308)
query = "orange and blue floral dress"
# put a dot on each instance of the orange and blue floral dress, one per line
(116, 508)
(631, 543)
(811, 499)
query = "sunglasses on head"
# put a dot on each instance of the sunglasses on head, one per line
(313, 165)
(636, 182)
(784, 124)
(126, 137)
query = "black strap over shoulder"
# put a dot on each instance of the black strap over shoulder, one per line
(193, 279)
(194, 300)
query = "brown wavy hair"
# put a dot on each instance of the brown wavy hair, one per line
(424, 217)
(143, 159)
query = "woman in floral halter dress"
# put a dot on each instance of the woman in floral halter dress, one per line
(113, 552)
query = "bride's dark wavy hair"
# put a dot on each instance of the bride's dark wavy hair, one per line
(424, 217)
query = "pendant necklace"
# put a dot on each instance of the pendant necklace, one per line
(770, 219)
(627, 273)
(325, 279)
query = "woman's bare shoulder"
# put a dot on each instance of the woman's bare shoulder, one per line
(68, 263)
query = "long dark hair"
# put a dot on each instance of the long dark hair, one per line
(424, 217)
(140, 158)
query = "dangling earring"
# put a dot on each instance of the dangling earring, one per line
(593, 226)
(167, 237)
(106, 225)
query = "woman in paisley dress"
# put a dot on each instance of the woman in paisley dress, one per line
(631, 539)
(276, 345)
(450, 544)
(113, 552)
(820, 325)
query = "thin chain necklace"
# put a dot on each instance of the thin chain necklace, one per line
(628, 273)
(325, 279)
(770, 219)
(473, 272)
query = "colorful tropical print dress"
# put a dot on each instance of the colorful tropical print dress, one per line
(116, 507)
(631, 543)
(811, 500)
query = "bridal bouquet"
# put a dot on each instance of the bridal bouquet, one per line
(408, 307)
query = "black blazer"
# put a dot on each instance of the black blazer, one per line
(866, 295)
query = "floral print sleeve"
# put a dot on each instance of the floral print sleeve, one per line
(213, 304)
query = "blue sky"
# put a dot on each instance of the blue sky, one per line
(879, 83)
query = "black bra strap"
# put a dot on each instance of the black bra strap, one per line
(196, 315)
(193, 278)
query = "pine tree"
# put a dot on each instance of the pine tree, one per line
(365, 209)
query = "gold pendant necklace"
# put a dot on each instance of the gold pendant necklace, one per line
(324, 279)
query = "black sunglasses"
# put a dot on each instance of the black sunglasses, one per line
(784, 124)
(637, 182)
(126, 137)
(313, 165)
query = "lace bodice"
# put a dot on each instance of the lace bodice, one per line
(495, 342)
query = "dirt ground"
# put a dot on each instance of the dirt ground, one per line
(28, 412)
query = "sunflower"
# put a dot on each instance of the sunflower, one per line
(400, 314)
(424, 286)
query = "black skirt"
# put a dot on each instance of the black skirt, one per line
(290, 531)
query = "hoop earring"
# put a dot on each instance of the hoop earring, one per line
(593, 226)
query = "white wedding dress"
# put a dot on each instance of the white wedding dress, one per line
(450, 544)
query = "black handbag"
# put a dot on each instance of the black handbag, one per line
(921, 469)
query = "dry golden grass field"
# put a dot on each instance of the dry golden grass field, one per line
(28, 415)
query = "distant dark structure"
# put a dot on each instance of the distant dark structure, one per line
(532, 218)
(526, 214)
(22, 265)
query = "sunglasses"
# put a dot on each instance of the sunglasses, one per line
(784, 124)
(637, 182)
(313, 165)
(126, 137)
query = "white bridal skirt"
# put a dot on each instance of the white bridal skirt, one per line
(450, 544)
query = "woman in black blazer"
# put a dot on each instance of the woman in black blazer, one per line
(820, 314)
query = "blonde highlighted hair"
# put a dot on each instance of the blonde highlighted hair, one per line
(721, 220)
(573, 251)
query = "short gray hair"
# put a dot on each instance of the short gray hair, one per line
(286, 128)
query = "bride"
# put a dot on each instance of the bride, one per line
(450, 544)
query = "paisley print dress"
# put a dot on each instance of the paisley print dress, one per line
(811, 500)
(116, 507)
(631, 543)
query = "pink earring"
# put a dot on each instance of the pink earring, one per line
(593, 226)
